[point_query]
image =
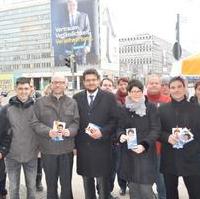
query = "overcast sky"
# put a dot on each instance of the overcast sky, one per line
(159, 17)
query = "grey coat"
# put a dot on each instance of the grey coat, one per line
(49, 109)
(24, 145)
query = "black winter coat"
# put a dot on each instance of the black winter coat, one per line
(94, 155)
(186, 161)
(140, 168)
(5, 139)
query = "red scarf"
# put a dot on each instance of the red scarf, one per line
(159, 98)
(121, 97)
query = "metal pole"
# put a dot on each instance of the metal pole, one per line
(178, 33)
(72, 60)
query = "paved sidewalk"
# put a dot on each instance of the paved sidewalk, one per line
(79, 193)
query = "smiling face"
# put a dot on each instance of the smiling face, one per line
(154, 85)
(177, 90)
(23, 91)
(107, 85)
(58, 85)
(135, 94)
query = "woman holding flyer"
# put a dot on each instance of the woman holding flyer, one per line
(139, 128)
(181, 151)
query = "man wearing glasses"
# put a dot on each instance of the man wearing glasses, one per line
(57, 154)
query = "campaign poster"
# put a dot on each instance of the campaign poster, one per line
(74, 28)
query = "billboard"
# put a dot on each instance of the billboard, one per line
(74, 28)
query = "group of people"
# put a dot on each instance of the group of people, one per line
(96, 122)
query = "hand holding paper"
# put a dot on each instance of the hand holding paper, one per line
(139, 149)
(93, 131)
(66, 132)
(123, 138)
(96, 133)
(172, 139)
(52, 133)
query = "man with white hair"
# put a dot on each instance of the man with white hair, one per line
(57, 154)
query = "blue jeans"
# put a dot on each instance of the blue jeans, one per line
(14, 171)
(160, 181)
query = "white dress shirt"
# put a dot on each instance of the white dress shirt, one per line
(94, 94)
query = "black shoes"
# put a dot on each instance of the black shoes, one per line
(39, 187)
(122, 192)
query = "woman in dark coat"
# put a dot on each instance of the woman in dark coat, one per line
(138, 165)
(185, 160)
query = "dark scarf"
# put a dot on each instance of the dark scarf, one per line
(121, 97)
(16, 102)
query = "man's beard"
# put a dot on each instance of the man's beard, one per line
(92, 90)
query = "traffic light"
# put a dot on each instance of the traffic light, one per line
(68, 62)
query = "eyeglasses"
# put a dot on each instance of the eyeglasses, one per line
(136, 91)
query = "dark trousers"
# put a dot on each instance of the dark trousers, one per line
(58, 166)
(39, 171)
(116, 155)
(89, 187)
(116, 151)
(191, 183)
(3, 190)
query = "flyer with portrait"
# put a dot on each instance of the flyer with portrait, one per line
(131, 138)
(176, 132)
(91, 127)
(183, 135)
(58, 127)
(186, 136)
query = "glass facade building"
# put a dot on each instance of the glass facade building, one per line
(25, 36)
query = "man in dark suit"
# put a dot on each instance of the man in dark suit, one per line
(98, 108)
(76, 34)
